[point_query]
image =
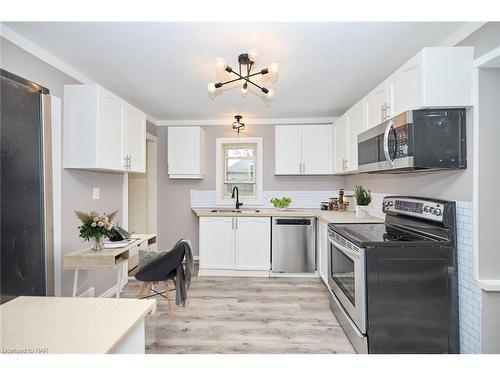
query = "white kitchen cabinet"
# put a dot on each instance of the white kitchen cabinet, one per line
(377, 105)
(101, 131)
(134, 138)
(322, 238)
(303, 149)
(435, 77)
(355, 126)
(316, 149)
(340, 133)
(253, 243)
(288, 149)
(186, 152)
(235, 246)
(216, 243)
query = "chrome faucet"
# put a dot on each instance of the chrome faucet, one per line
(238, 203)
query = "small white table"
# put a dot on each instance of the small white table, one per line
(121, 259)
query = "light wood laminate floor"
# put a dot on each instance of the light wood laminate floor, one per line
(246, 315)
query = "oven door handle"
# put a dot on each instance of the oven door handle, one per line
(390, 124)
(350, 253)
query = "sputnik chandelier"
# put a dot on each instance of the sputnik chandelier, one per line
(246, 62)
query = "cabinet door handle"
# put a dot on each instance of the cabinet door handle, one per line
(387, 111)
(382, 112)
(129, 161)
(236, 223)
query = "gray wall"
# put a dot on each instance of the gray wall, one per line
(76, 185)
(175, 217)
(484, 39)
(151, 128)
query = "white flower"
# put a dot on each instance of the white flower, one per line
(100, 223)
(94, 224)
(109, 226)
(95, 219)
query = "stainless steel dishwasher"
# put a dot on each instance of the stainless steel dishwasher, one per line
(293, 244)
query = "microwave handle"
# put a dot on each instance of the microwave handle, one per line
(390, 124)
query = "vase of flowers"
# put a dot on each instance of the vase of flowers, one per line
(363, 199)
(95, 228)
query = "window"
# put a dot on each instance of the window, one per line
(239, 162)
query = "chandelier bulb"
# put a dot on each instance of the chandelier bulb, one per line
(273, 69)
(211, 87)
(252, 55)
(270, 93)
(220, 64)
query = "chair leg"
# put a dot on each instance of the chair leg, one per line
(169, 301)
(143, 289)
(149, 289)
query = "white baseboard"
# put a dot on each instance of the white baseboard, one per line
(112, 291)
(232, 273)
(292, 274)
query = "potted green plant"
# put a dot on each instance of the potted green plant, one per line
(363, 199)
(95, 228)
(281, 203)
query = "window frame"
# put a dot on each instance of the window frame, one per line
(256, 142)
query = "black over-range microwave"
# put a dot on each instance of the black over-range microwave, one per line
(416, 140)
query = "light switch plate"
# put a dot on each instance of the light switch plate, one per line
(96, 192)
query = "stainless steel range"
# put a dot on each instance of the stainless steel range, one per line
(394, 284)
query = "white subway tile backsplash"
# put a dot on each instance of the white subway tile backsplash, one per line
(300, 199)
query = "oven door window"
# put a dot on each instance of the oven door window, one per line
(342, 272)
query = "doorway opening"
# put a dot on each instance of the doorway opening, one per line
(142, 193)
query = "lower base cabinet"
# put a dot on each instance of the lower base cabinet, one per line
(322, 241)
(235, 246)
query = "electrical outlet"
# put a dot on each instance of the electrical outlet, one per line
(96, 192)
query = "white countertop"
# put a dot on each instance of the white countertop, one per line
(326, 216)
(59, 325)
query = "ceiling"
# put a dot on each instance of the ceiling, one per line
(164, 68)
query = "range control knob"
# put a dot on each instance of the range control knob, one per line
(426, 209)
(390, 203)
(432, 210)
(437, 212)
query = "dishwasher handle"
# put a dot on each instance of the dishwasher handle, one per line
(292, 221)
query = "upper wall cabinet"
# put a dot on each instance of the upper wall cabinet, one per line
(355, 125)
(340, 138)
(303, 149)
(186, 152)
(435, 77)
(102, 132)
(377, 105)
(345, 138)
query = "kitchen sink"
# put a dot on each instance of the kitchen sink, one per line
(233, 211)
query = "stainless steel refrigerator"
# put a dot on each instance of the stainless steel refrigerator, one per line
(26, 242)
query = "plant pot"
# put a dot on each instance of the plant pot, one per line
(281, 208)
(96, 244)
(362, 212)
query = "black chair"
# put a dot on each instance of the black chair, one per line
(162, 270)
